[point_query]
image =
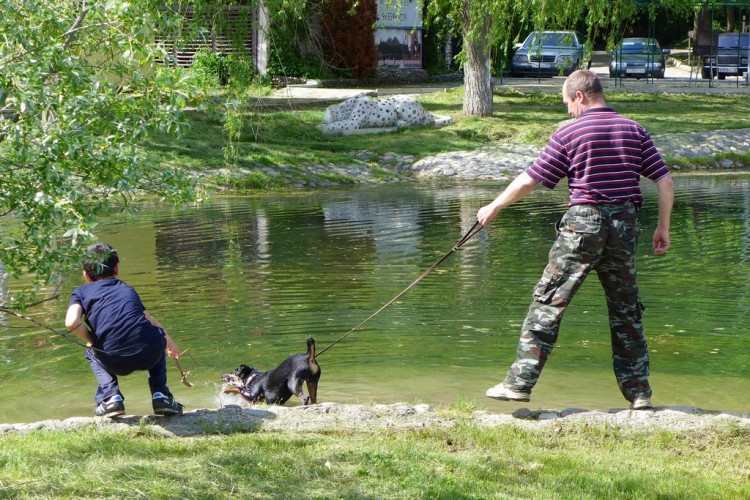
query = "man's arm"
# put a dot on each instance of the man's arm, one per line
(665, 193)
(520, 187)
(76, 325)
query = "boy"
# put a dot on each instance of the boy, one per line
(121, 337)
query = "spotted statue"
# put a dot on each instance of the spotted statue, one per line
(362, 112)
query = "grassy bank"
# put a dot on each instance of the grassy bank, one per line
(269, 137)
(462, 462)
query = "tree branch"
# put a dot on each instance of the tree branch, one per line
(72, 31)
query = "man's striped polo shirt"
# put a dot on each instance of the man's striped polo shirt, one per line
(603, 154)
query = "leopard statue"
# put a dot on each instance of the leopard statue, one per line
(362, 112)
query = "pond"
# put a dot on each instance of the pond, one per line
(248, 279)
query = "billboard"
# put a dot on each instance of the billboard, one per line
(405, 14)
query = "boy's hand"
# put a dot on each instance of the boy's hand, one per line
(172, 350)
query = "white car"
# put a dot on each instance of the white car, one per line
(548, 53)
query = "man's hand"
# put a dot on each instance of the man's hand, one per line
(665, 193)
(661, 241)
(520, 187)
(486, 214)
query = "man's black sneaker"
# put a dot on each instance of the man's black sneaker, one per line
(113, 407)
(165, 405)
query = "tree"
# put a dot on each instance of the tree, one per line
(501, 23)
(485, 25)
(477, 27)
(348, 33)
(80, 89)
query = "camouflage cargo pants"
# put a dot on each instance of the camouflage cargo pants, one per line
(590, 237)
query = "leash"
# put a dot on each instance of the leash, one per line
(466, 237)
(67, 336)
(71, 338)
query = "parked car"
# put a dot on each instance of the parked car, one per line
(638, 58)
(548, 53)
(730, 57)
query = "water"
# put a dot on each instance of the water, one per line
(247, 279)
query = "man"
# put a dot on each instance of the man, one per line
(603, 155)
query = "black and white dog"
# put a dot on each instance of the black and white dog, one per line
(278, 385)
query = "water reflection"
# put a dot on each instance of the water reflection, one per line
(247, 279)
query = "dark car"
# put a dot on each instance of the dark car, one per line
(638, 58)
(548, 53)
(730, 58)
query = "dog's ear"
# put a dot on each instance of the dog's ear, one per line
(242, 370)
(246, 372)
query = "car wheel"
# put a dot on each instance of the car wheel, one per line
(706, 74)
(722, 77)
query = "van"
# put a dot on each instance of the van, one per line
(730, 58)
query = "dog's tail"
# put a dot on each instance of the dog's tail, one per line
(312, 384)
(311, 349)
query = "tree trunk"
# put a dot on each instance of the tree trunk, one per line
(449, 47)
(477, 75)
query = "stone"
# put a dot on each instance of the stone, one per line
(548, 415)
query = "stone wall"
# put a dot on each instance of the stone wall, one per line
(386, 75)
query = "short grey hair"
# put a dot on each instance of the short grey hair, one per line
(584, 81)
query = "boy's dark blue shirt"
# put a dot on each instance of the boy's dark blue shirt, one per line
(115, 314)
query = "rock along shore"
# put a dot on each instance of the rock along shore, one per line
(505, 161)
(498, 162)
(328, 417)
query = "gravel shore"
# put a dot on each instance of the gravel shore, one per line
(500, 162)
(329, 417)
(506, 161)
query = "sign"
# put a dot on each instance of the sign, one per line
(399, 14)
(398, 37)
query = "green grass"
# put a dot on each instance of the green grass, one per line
(464, 462)
(287, 137)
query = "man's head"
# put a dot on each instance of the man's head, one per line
(101, 262)
(582, 90)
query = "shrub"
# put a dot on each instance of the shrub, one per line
(241, 70)
(210, 69)
(349, 36)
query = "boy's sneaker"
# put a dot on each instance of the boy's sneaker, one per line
(641, 403)
(505, 393)
(165, 405)
(113, 407)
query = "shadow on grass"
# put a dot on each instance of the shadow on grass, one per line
(227, 420)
